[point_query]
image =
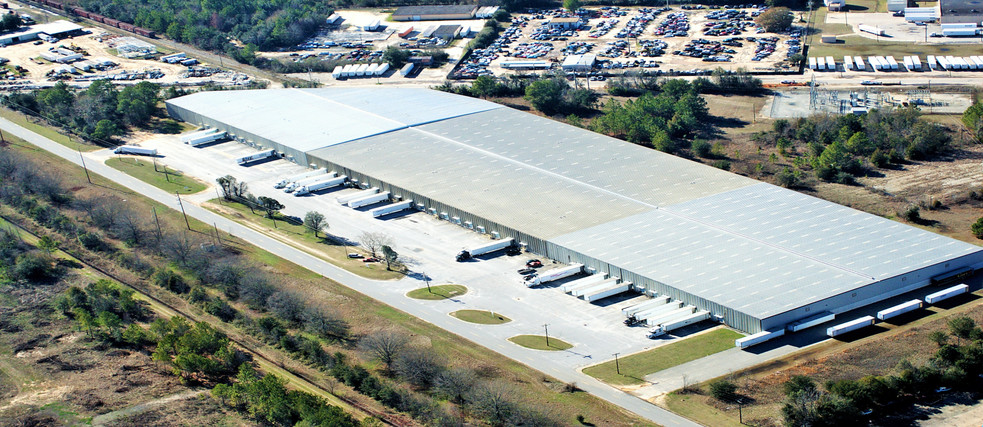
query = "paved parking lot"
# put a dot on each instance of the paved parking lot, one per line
(596, 330)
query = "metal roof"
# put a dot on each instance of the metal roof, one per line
(450, 9)
(750, 246)
(308, 119)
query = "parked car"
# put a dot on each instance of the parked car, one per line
(527, 271)
(355, 255)
(529, 277)
(534, 263)
(371, 259)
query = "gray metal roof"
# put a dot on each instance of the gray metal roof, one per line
(450, 9)
(308, 119)
(753, 247)
(499, 189)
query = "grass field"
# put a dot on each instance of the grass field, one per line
(857, 45)
(143, 169)
(692, 406)
(635, 367)
(438, 292)
(481, 317)
(329, 249)
(45, 131)
(539, 342)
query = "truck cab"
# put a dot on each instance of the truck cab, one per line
(463, 256)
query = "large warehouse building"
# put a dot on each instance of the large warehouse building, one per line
(755, 255)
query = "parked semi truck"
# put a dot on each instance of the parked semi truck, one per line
(349, 197)
(368, 199)
(291, 187)
(946, 293)
(206, 138)
(554, 274)
(758, 338)
(485, 249)
(665, 328)
(132, 149)
(310, 174)
(320, 185)
(255, 157)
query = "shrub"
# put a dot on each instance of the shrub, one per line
(723, 390)
(33, 267)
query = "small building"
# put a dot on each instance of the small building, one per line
(829, 38)
(57, 29)
(896, 5)
(422, 60)
(434, 13)
(835, 5)
(447, 32)
(579, 63)
(564, 23)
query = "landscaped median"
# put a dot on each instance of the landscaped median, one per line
(438, 292)
(541, 342)
(635, 367)
(481, 317)
(147, 170)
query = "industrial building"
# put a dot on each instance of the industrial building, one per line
(56, 29)
(756, 256)
(434, 13)
(961, 11)
(579, 63)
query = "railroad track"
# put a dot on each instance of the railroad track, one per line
(297, 379)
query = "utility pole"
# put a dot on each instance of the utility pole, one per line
(617, 367)
(217, 236)
(87, 178)
(186, 222)
(427, 280)
(160, 235)
(547, 327)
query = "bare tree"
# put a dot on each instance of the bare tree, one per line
(456, 383)
(285, 305)
(129, 227)
(323, 323)
(232, 188)
(384, 345)
(493, 402)
(374, 240)
(179, 247)
(418, 366)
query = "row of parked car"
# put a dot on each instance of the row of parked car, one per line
(637, 24)
(676, 24)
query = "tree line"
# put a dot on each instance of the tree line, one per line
(97, 113)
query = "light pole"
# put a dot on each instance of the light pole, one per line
(546, 326)
(82, 158)
(617, 367)
(427, 280)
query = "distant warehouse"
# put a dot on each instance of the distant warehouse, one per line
(961, 12)
(756, 256)
(434, 13)
(56, 29)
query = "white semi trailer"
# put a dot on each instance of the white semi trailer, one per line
(368, 199)
(320, 185)
(853, 325)
(486, 248)
(349, 197)
(810, 322)
(393, 208)
(900, 309)
(255, 157)
(758, 338)
(946, 293)
(610, 290)
(132, 149)
(657, 312)
(309, 174)
(206, 138)
(586, 281)
(554, 274)
(650, 304)
(665, 328)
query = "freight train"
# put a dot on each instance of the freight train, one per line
(98, 18)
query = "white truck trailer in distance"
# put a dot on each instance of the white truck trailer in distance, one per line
(932, 65)
(368, 199)
(132, 149)
(580, 291)
(657, 312)
(813, 64)
(309, 174)
(665, 317)
(586, 281)
(393, 208)
(810, 322)
(407, 69)
(859, 63)
(946, 293)
(383, 67)
(667, 327)
(900, 309)
(650, 304)
(206, 138)
(554, 274)
(486, 248)
(265, 154)
(347, 198)
(320, 185)
(872, 30)
(821, 63)
(830, 63)
(853, 325)
(758, 338)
